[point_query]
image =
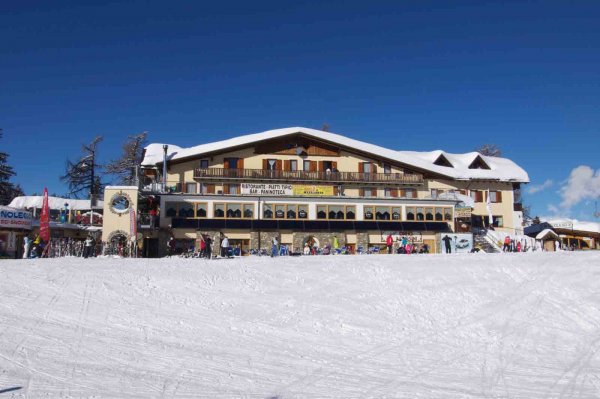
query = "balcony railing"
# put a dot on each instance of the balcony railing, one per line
(304, 176)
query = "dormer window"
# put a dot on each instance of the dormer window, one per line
(443, 161)
(479, 163)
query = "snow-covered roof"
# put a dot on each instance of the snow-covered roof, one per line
(35, 201)
(546, 232)
(501, 169)
(464, 199)
(574, 224)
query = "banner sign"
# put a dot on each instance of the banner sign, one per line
(266, 189)
(45, 218)
(562, 225)
(15, 219)
(462, 212)
(306, 190)
(313, 191)
(132, 225)
(413, 238)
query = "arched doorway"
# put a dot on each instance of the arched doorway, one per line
(311, 241)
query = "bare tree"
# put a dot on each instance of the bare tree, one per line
(126, 167)
(81, 175)
(490, 150)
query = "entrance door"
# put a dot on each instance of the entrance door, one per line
(150, 248)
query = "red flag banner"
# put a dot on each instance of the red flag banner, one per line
(45, 218)
(132, 225)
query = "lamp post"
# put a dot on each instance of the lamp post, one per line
(165, 148)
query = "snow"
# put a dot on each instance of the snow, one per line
(546, 232)
(424, 326)
(35, 201)
(502, 169)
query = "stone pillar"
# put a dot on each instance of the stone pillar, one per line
(362, 240)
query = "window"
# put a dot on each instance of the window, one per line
(233, 210)
(171, 209)
(186, 210)
(302, 211)
(293, 165)
(231, 163)
(495, 197)
(191, 188)
(367, 167)
(204, 164)
(271, 164)
(428, 214)
(279, 211)
(321, 212)
(291, 212)
(336, 212)
(306, 166)
(219, 210)
(420, 214)
(207, 188)
(368, 213)
(201, 210)
(268, 211)
(382, 213)
(327, 165)
(448, 214)
(387, 169)
(498, 221)
(388, 192)
(410, 213)
(369, 192)
(350, 212)
(409, 193)
(435, 192)
(477, 195)
(232, 189)
(396, 213)
(439, 216)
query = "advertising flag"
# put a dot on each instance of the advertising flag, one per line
(45, 218)
(488, 205)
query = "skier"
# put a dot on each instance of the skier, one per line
(447, 243)
(207, 246)
(389, 241)
(506, 245)
(88, 247)
(171, 246)
(202, 246)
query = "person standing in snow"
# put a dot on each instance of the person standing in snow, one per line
(207, 246)
(87, 247)
(506, 245)
(336, 243)
(389, 241)
(447, 243)
(26, 246)
(274, 247)
(224, 246)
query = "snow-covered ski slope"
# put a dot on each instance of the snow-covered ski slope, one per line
(379, 326)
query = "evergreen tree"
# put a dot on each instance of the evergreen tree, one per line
(8, 190)
(126, 167)
(82, 176)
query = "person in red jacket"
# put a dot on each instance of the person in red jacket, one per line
(389, 241)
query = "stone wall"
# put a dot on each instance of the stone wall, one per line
(322, 237)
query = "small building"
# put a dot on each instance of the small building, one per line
(572, 233)
(15, 224)
(549, 240)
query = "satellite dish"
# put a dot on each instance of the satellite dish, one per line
(299, 150)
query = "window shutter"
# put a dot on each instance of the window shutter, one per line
(265, 164)
(394, 192)
(361, 192)
(313, 166)
(183, 187)
(240, 163)
(402, 193)
(335, 190)
(373, 192)
(498, 196)
(278, 164)
(210, 189)
(374, 167)
(226, 163)
(287, 165)
(478, 196)
(225, 188)
(361, 167)
(321, 166)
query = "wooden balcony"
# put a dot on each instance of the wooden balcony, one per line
(300, 176)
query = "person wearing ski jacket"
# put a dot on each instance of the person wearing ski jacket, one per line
(389, 241)
(224, 246)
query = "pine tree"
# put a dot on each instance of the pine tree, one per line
(126, 167)
(8, 190)
(81, 176)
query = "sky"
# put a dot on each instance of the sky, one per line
(417, 76)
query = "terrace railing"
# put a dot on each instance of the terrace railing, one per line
(304, 176)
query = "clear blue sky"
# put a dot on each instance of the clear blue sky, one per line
(407, 75)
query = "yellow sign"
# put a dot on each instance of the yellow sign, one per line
(312, 190)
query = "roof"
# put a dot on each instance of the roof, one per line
(35, 201)
(501, 169)
(574, 224)
(545, 234)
